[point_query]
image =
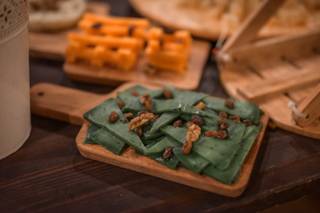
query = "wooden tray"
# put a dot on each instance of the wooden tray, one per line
(190, 80)
(67, 104)
(53, 45)
(200, 23)
(275, 73)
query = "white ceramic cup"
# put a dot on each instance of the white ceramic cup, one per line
(15, 124)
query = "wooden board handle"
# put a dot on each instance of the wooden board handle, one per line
(62, 103)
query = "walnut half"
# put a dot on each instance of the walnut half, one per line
(141, 120)
(193, 134)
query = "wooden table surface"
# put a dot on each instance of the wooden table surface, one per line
(49, 175)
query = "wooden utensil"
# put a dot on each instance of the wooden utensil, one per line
(279, 74)
(53, 45)
(68, 105)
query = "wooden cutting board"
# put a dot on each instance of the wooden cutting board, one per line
(201, 23)
(53, 45)
(106, 75)
(68, 105)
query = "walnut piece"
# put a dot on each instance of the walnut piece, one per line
(142, 119)
(146, 101)
(192, 136)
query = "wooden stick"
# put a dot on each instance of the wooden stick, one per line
(253, 24)
(310, 109)
(274, 86)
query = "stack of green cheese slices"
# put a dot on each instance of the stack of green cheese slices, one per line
(156, 123)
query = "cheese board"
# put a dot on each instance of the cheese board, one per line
(52, 45)
(111, 76)
(114, 50)
(213, 19)
(279, 74)
(69, 105)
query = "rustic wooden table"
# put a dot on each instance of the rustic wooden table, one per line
(49, 175)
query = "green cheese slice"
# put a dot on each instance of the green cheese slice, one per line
(244, 109)
(229, 175)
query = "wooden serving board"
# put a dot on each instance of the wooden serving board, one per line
(199, 22)
(273, 73)
(107, 75)
(53, 45)
(68, 105)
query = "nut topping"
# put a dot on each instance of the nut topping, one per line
(200, 105)
(223, 115)
(167, 94)
(235, 118)
(220, 134)
(134, 93)
(113, 117)
(223, 125)
(167, 153)
(128, 116)
(139, 131)
(229, 103)
(193, 134)
(177, 123)
(120, 103)
(141, 120)
(146, 101)
(247, 122)
(196, 119)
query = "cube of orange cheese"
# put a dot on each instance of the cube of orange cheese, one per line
(99, 56)
(107, 41)
(168, 52)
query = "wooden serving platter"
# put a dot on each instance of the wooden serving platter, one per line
(200, 23)
(68, 105)
(53, 45)
(280, 74)
(107, 75)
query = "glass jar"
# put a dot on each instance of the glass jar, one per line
(15, 121)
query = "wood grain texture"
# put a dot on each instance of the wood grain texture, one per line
(253, 24)
(53, 45)
(66, 104)
(110, 76)
(48, 174)
(199, 23)
(310, 109)
(272, 73)
(281, 84)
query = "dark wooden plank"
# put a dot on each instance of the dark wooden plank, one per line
(49, 175)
